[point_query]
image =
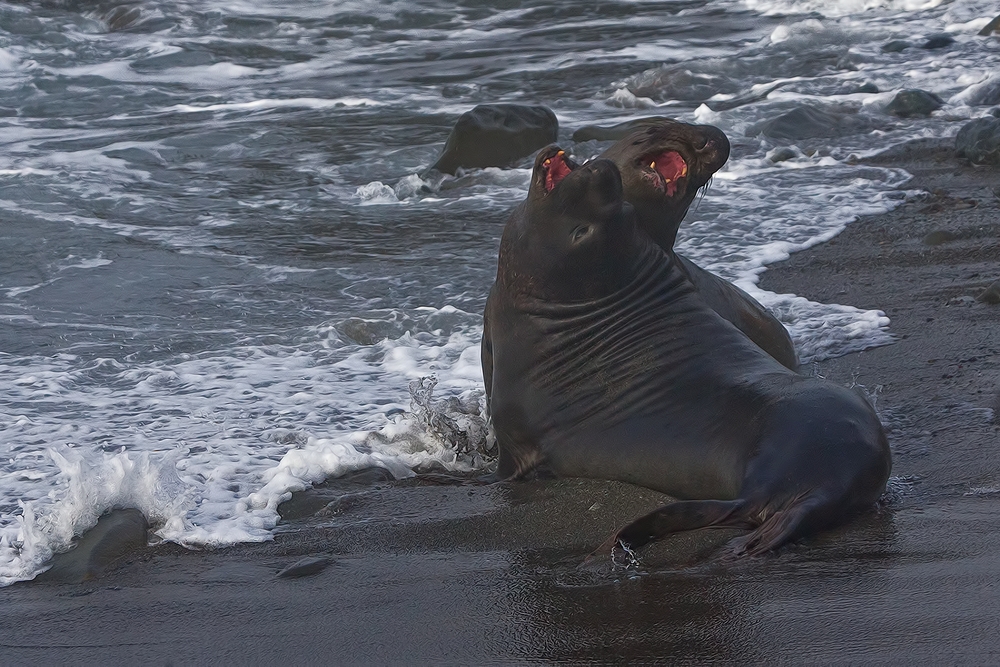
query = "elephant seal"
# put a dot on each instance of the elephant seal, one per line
(663, 165)
(606, 363)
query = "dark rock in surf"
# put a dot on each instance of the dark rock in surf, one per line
(367, 332)
(122, 17)
(979, 141)
(991, 27)
(939, 41)
(783, 154)
(866, 87)
(895, 46)
(496, 135)
(679, 84)
(116, 535)
(913, 102)
(614, 132)
(991, 294)
(983, 94)
(806, 122)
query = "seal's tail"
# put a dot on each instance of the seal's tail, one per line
(677, 517)
(771, 529)
(802, 516)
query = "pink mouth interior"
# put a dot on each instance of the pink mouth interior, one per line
(556, 169)
(671, 167)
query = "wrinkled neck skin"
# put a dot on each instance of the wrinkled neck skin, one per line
(537, 279)
(644, 270)
(661, 222)
(561, 358)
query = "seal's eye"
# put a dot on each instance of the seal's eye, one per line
(580, 233)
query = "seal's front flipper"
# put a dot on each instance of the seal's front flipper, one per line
(682, 515)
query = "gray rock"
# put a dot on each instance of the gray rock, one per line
(116, 535)
(979, 141)
(368, 332)
(614, 132)
(866, 87)
(991, 27)
(122, 17)
(983, 94)
(895, 46)
(497, 135)
(913, 102)
(938, 41)
(782, 154)
(805, 122)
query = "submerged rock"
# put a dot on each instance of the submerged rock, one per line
(913, 102)
(496, 135)
(116, 535)
(805, 122)
(895, 46)
(742, 100)
(991, 294)
(783, 154)
(940, 236)
(979, 141)
(614, 132)
(984, 94)
(305, 567)
(122, 17)
(866, 87)
(939, 41)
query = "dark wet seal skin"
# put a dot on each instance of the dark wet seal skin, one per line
(663, 165)
(605, 362)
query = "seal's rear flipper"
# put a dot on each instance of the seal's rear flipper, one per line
(778, 529)
(679, 516)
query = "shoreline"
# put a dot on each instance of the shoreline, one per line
(462, 574)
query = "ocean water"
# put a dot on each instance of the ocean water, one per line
(222, 278)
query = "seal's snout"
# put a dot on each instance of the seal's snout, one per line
(605, 176)
(715, 151)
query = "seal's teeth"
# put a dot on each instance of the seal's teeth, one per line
(652, 165)
(561, 153)
(666, 180)
(684, 171)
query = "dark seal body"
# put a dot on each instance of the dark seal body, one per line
(663, 164)
(606, 363)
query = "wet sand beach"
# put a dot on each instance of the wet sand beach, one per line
(420, 573)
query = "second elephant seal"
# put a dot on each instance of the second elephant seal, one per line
(663, 164)
(606, 363)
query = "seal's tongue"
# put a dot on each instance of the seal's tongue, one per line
(671, 167)
(556, 169)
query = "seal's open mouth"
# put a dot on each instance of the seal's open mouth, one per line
(664, 170)
(555, 169)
